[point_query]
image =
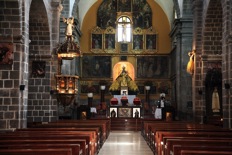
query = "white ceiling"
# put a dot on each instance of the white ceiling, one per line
(166, 5)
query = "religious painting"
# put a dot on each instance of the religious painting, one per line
(38, 69)
(96, 41)
(151, 42)
(124, 112)
(152, 67)
(6, 53)
(113, 112)
(109, 41)
(142, 14)
(124, 47)
(137, 42)
(96, 66)
(124, 6)
(107, 14)
(136, 113)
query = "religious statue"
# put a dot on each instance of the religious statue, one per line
(215, 101)
(190, 65)
(70, 25)
(124, 76)
(124, 80)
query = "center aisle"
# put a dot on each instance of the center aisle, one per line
(125, 143)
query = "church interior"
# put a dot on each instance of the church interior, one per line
(128, 65)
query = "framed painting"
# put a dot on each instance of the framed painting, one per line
(124, 48)
(137, 42)
(109, 41)
(152, 67)
(113, 112)
(151, 42)
(6, 53)
(38, 69)
(96, 41)
(96, 66)
(136, 113)
(124, 112)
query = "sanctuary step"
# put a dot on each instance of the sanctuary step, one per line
(125, 124)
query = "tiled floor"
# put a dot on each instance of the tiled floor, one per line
(125, 143)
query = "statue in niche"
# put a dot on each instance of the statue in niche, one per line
(124, 80)
(215, 101)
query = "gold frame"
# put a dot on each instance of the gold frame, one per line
(137, 33)
(151, 33)
(97, 31)
(110, 31)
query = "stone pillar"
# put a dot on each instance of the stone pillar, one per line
(198, 99)
(226, 62)
(183, 37)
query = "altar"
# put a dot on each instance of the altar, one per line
(130, 99)
(125, 111)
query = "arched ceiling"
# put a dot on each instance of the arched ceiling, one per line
(166, 5)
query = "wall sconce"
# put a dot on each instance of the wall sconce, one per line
(227, 86)
(22, 87)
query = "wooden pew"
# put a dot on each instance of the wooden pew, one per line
(209, 152)
(173, 127)
(81, 142)
(102, 124)
(200, 142)
(76, 124)
(162, 136)
(170, 126)
(95, 129)
(56, 151)
(176, 149)
(167, 148)
(75, 147)
(88, 135)
(55, 135)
